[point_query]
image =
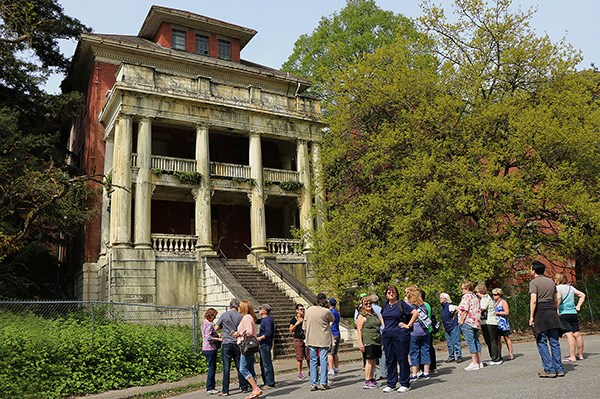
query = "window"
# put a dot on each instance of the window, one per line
(178, 39)
(224, 49)
(201, 44)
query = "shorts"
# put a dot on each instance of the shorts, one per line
(570, 322)
(300, 349)
(372, 352)
(503, 333)
(333, 349)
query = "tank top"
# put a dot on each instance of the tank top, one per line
(567, 305)
(503, 323)
(371, 333)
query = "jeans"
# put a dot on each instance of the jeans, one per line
(419, 350)
(211, 360)
(471, 335)
(453, 342)
(396, 351)
(266, 366)
(551, 363)
(490, 336)
(247, 366)
(318, 355)
(229, 352)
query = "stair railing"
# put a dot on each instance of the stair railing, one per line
(302, 290)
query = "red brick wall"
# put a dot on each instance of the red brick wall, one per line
(235, 50)
(101, 80)
(213, 46)
(164, 35)
(190, 40)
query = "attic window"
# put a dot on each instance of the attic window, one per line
(178, 39)
(201, 44)
(224, 49)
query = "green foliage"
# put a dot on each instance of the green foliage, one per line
(241, 180)
(463, 154)
(157, 171)
(341, 39)
(63, 357)
(188, 177)
(290, 185)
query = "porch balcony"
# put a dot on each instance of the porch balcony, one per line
(217, 169)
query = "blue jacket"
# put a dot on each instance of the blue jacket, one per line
(267, 328)
(450, 322)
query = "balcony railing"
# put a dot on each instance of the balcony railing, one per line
(284, 246)
(219, 169)
(230, 170)
(169, 244)
(279, 175)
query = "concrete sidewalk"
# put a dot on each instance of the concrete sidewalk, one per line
(284, 366)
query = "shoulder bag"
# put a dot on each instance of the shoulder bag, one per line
(249, 345)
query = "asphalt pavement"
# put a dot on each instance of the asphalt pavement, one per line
(513, 379)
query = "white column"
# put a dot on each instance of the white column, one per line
(257, 208)
(305, 200)
(120, 207)
(202, 196)
(105, 223)
(143, 188)
(317, 173)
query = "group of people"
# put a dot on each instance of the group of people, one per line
(235, 324)
(398, 335)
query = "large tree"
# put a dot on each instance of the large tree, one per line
(41, 205)
(461, 155)
(341, 39)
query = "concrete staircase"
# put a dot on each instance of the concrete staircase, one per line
(265, 291)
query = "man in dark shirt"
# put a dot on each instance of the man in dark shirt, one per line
(544, 320)
(265, 337)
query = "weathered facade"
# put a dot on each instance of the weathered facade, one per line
(207, 155)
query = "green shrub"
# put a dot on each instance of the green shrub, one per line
(62, 357)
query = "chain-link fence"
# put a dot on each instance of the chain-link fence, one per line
(117, 312)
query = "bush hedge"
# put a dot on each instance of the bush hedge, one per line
(42, 358)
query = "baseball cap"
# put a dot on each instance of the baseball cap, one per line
(332, 301)
(266, 307)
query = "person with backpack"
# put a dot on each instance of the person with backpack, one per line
(420, 335)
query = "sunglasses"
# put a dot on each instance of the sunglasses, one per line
(495, 294)
(367, 303)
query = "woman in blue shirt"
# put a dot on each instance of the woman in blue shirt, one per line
(397, 318)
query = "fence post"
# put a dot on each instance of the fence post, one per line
(195, 312)
(93, 322)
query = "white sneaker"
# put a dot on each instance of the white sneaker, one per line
(472, 366)
(388, 389)
(330, 373)
(480, 365)
(403, 389)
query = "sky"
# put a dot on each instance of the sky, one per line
(280, 22)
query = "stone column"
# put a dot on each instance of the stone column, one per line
(317, 173)
(120, 207)
(143, 188)
(202, 195)
(105, 223)
(305, 200)
(258, 224)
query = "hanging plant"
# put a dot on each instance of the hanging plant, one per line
(188, 177)
(240, 180)
(290, 185)
(156, 171)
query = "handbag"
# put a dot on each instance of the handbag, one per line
(249, 345)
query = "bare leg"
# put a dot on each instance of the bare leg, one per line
(579, 343)
(509, 346)
(572, 346)
(369, 368)
(255, 389)
(299, 366)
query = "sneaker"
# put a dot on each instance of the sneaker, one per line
(330, 373)
(495, 363)
(388, 389)
(336, 371)
(481, 365)
(545, 374)
(414, 378)
(449, 360)
(212, 392)
(314, 388)
(425, 377)
(419, 374)
(375, 383)
(472, 366)
(300, 376)
(459, 360)
(324, 387)
(369, 385)
(403, 389)
(223, 393)
(560, 374)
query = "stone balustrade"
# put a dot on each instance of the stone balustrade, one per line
(284, 246)
(171, 244)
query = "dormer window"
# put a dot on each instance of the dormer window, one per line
(201, 44)
(225, 49)
(178, 39)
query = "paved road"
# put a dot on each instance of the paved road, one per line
(514, 379)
